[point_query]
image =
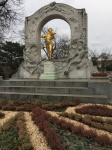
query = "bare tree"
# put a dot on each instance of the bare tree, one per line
(10, 14)
(62, 47)
(94, 56)
(22, 35)
(104, 57)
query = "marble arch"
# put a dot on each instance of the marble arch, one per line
(77, 63)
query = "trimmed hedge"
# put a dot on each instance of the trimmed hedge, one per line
(95, 110)
(19, 106)
(99, 74)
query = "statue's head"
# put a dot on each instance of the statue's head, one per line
(50, 30)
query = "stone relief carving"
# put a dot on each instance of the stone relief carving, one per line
(31, 63)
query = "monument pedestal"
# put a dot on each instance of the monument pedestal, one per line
(49, 71)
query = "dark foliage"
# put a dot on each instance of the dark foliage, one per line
(18, 106)
(103, 139)
(99, 74)
(95, 110)
(60, 106)
(11, 54)
(109, 67)
(28, 106)
(2, 103)
(89, 133)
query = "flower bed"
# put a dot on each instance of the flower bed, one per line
(96, 110)
(50, 131)
(60, 106)
(20, 106)
(13, 134)
(41, 119)
(91, 121)
(99, 74)
(84, 130)
(79, 129)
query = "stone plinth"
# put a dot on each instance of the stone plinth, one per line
(49, 71)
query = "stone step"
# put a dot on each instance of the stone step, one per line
(50, 90)
(49, 83)
(46, 96)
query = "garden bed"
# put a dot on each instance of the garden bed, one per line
(99, 74)
(60, 126)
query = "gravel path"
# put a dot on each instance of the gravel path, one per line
(37, 139)
(8, 116)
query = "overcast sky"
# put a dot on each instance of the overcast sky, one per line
(99, 19)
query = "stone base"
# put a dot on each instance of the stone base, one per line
(83, 72)
(23, 73)
(49, 71)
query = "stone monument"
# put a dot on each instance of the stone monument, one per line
(76, 65)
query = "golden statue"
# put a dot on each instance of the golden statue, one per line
(49, 44)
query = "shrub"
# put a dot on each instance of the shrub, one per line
(95, 110)
(99, 74)
(2, 103)
(103, 139)
(59, 106)
(89, 133)
(78, 117)
(107, 127)
(77, 129)
(64, 114)
(9, 108)
(70, 115)
(97, 125)
(97, 119)
(86, 120)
